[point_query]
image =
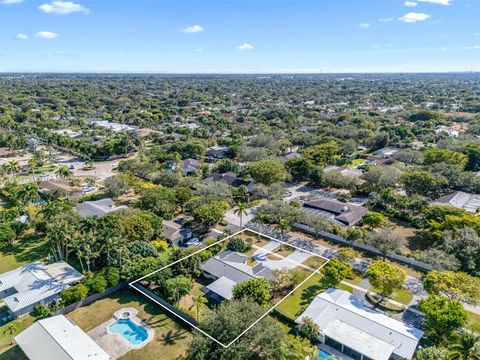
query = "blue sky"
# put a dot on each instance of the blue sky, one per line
(239, 36)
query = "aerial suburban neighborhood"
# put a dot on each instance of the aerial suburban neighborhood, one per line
(239, 180)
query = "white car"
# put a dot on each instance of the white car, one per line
(193, 242)
(87, 189)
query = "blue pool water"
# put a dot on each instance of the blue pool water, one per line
(323, 354)
(130, 331)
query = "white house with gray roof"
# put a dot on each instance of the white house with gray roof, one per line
(57, 338)
(349, 328)
(460, 200)
(334, 211)
(97, 208)
(35, 284)
(229, 268)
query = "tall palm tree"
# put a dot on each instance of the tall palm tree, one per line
(199, 301)
(466, 347)
(32, 164)
(13, 167)
(240, 211)
(283, 225)
(64, 172)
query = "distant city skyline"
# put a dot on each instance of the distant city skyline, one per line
(283, 36)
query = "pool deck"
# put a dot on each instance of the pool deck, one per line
(114, 344)
(332, 351)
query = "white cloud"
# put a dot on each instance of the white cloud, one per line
(474, 47)
(385, 20)
(63, 8)
(413, 17)
(410, 3)
(193, 29)
(46, 35)
(10, 2)
(244, 47)
(438, 2)
(21, 36)
(364, 25)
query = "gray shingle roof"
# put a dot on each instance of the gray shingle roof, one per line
(97, 208)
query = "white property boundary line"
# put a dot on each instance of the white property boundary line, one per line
(132, 284)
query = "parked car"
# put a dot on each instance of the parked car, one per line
(192, 242)
(87, 189)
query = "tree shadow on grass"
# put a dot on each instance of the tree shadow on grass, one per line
(309, 293)
(172, 336)
(14, 353)
(28, 249)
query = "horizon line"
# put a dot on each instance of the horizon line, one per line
(237, 73)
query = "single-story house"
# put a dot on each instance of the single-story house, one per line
(175, 233)
(460, 200)
(191, 166)
(64, 187)
(217, 151)
(385, 153)
(67, 132)
(98, 208)
(231, 179)
(347, 172)
(58, 338)
(229, 268)
(115, 126)
(349, 327)
(335, 211)
(34, 284)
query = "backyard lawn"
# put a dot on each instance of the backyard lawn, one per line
(170, 341)
(473, 322)
(297, 302)
(7, 351)
(23, 251)
(403, 296)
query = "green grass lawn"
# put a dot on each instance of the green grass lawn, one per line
(355, 163)
(170, 341)
(403, 296)
(314, 262)
(297, 302)
(473, 322)
(294, 304)
(23, 251)
(6, 347)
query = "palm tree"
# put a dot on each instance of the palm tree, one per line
(10, 329)
(32, 164)
(64, 172)
(240, 211)
(198, 301)
(467, 347)
(283, 225)
(27, 193)
(13, 167)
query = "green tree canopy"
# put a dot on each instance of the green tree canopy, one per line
(257, 290)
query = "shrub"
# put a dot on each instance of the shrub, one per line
(74, 294)
(112, 276)
(96, 284)
(239, 245)
(41, 311)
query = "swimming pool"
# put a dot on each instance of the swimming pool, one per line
(130, 331)
(323, 354)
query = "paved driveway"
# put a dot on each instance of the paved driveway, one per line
(290, 262)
